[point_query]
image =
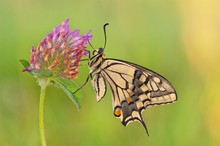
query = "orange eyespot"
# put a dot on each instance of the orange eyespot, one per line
(117, 112)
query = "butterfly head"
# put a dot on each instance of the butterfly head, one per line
(98, 51)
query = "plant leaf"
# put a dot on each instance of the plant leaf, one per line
(24, 62)
(68, 86)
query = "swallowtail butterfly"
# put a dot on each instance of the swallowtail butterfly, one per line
(133, 87)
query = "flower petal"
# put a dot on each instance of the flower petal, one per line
(60, 51)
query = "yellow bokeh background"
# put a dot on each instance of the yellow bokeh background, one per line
(178, 39)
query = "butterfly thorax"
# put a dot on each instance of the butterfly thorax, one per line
(96, 60)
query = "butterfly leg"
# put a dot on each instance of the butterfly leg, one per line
(87, 79)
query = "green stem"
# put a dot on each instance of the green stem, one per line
(43, 83)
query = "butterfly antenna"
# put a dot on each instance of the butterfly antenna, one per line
(104, 27)
(90, 45)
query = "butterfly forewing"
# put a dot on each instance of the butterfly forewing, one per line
(133, 89)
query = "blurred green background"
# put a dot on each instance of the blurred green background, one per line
(178, 39)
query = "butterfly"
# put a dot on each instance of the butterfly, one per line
(133, 87)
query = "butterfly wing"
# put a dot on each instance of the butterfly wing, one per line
(133, 89)
(99, 85)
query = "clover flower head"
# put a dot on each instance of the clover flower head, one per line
(60, 52)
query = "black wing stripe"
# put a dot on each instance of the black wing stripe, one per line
(118, 72)
(97, 82)
(113, 64)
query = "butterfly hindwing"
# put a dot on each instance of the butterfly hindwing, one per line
(133, 89)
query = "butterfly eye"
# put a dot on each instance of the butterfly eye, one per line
(100, 50)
